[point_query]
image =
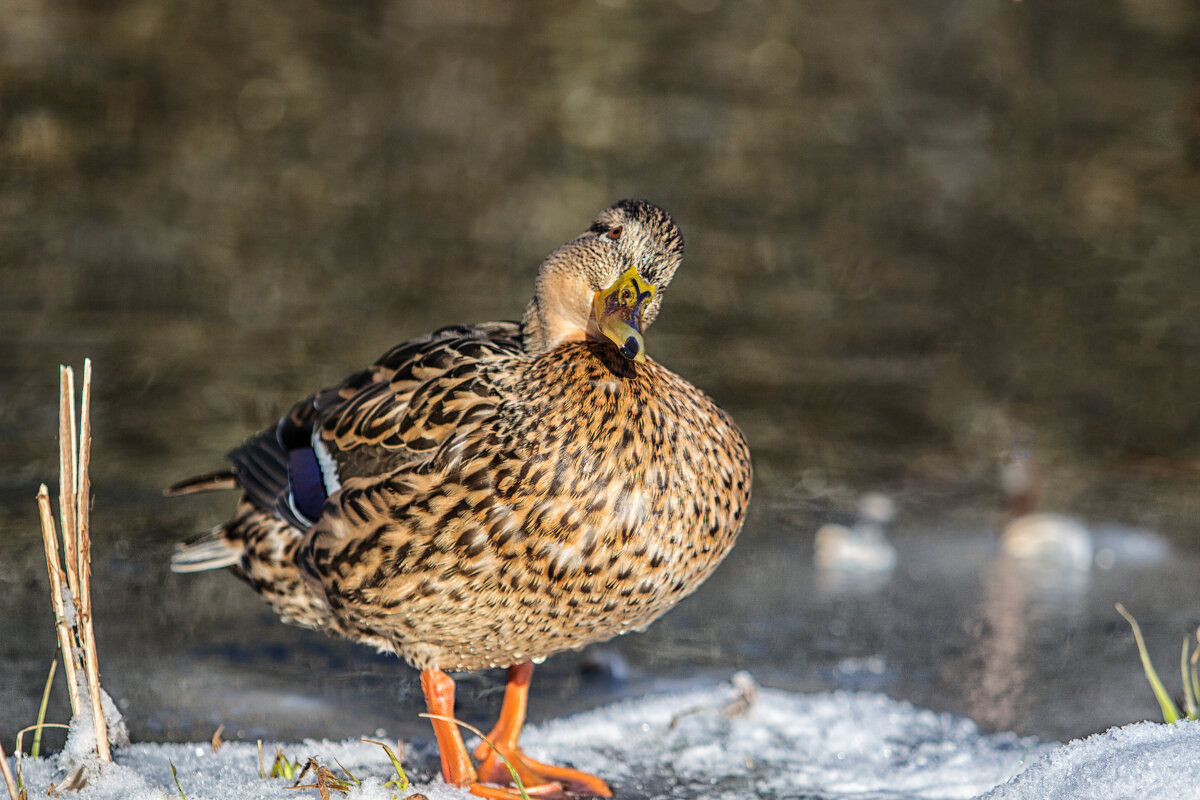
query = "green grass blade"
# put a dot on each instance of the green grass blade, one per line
(1170, 711)
(1195, 683)
(357, 782)
(402, 784)
(282, 767)
(1189, 699)
(36, 750)
(175, 775)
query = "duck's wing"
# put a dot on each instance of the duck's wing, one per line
(399, 412)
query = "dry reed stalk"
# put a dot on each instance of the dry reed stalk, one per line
(67, 455)
(83, 480)
(83, 502)
(77, 639)
(58, 583)
(8, 777)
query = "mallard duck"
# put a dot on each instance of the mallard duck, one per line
(488, 495)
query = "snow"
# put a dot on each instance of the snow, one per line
(81, 740)
(732, 740)
(1146, 759)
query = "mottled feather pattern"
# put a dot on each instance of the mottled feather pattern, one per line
(500, 553)
(507, 490)
(403, 408)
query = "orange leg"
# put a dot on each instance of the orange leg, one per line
(538, 778)
(439, 698)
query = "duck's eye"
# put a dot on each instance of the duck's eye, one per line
(615, 233)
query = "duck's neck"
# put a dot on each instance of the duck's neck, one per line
(559, 312)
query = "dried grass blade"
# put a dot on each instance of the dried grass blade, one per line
(8, 777)
(512, 771)
(21, 733)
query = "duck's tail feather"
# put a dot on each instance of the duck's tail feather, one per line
(261, 466)
(211, 482)
(213, 550)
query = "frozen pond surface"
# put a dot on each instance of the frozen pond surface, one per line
(956, 625)
(706, 744)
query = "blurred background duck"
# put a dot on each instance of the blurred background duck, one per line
(1031, 535)
(488, 495)
(845, 554)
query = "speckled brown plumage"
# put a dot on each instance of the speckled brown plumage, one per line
(503, 491)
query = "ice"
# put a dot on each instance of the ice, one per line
(1119, 544)
(733, 740)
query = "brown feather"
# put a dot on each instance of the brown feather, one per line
(210, 482)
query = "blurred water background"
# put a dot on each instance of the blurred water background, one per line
(926, 242)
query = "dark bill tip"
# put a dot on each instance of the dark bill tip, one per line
(631, 348)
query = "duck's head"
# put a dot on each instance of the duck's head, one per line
(607, 283)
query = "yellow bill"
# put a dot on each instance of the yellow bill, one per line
(618, 311)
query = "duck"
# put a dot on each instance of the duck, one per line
(488, 495)
(1036, 538)
(843, 552)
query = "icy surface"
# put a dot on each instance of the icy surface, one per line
(727, 741)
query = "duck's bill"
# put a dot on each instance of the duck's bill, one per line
(618, 311)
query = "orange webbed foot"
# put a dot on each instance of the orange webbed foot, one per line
(544, 779)
(538, 779)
